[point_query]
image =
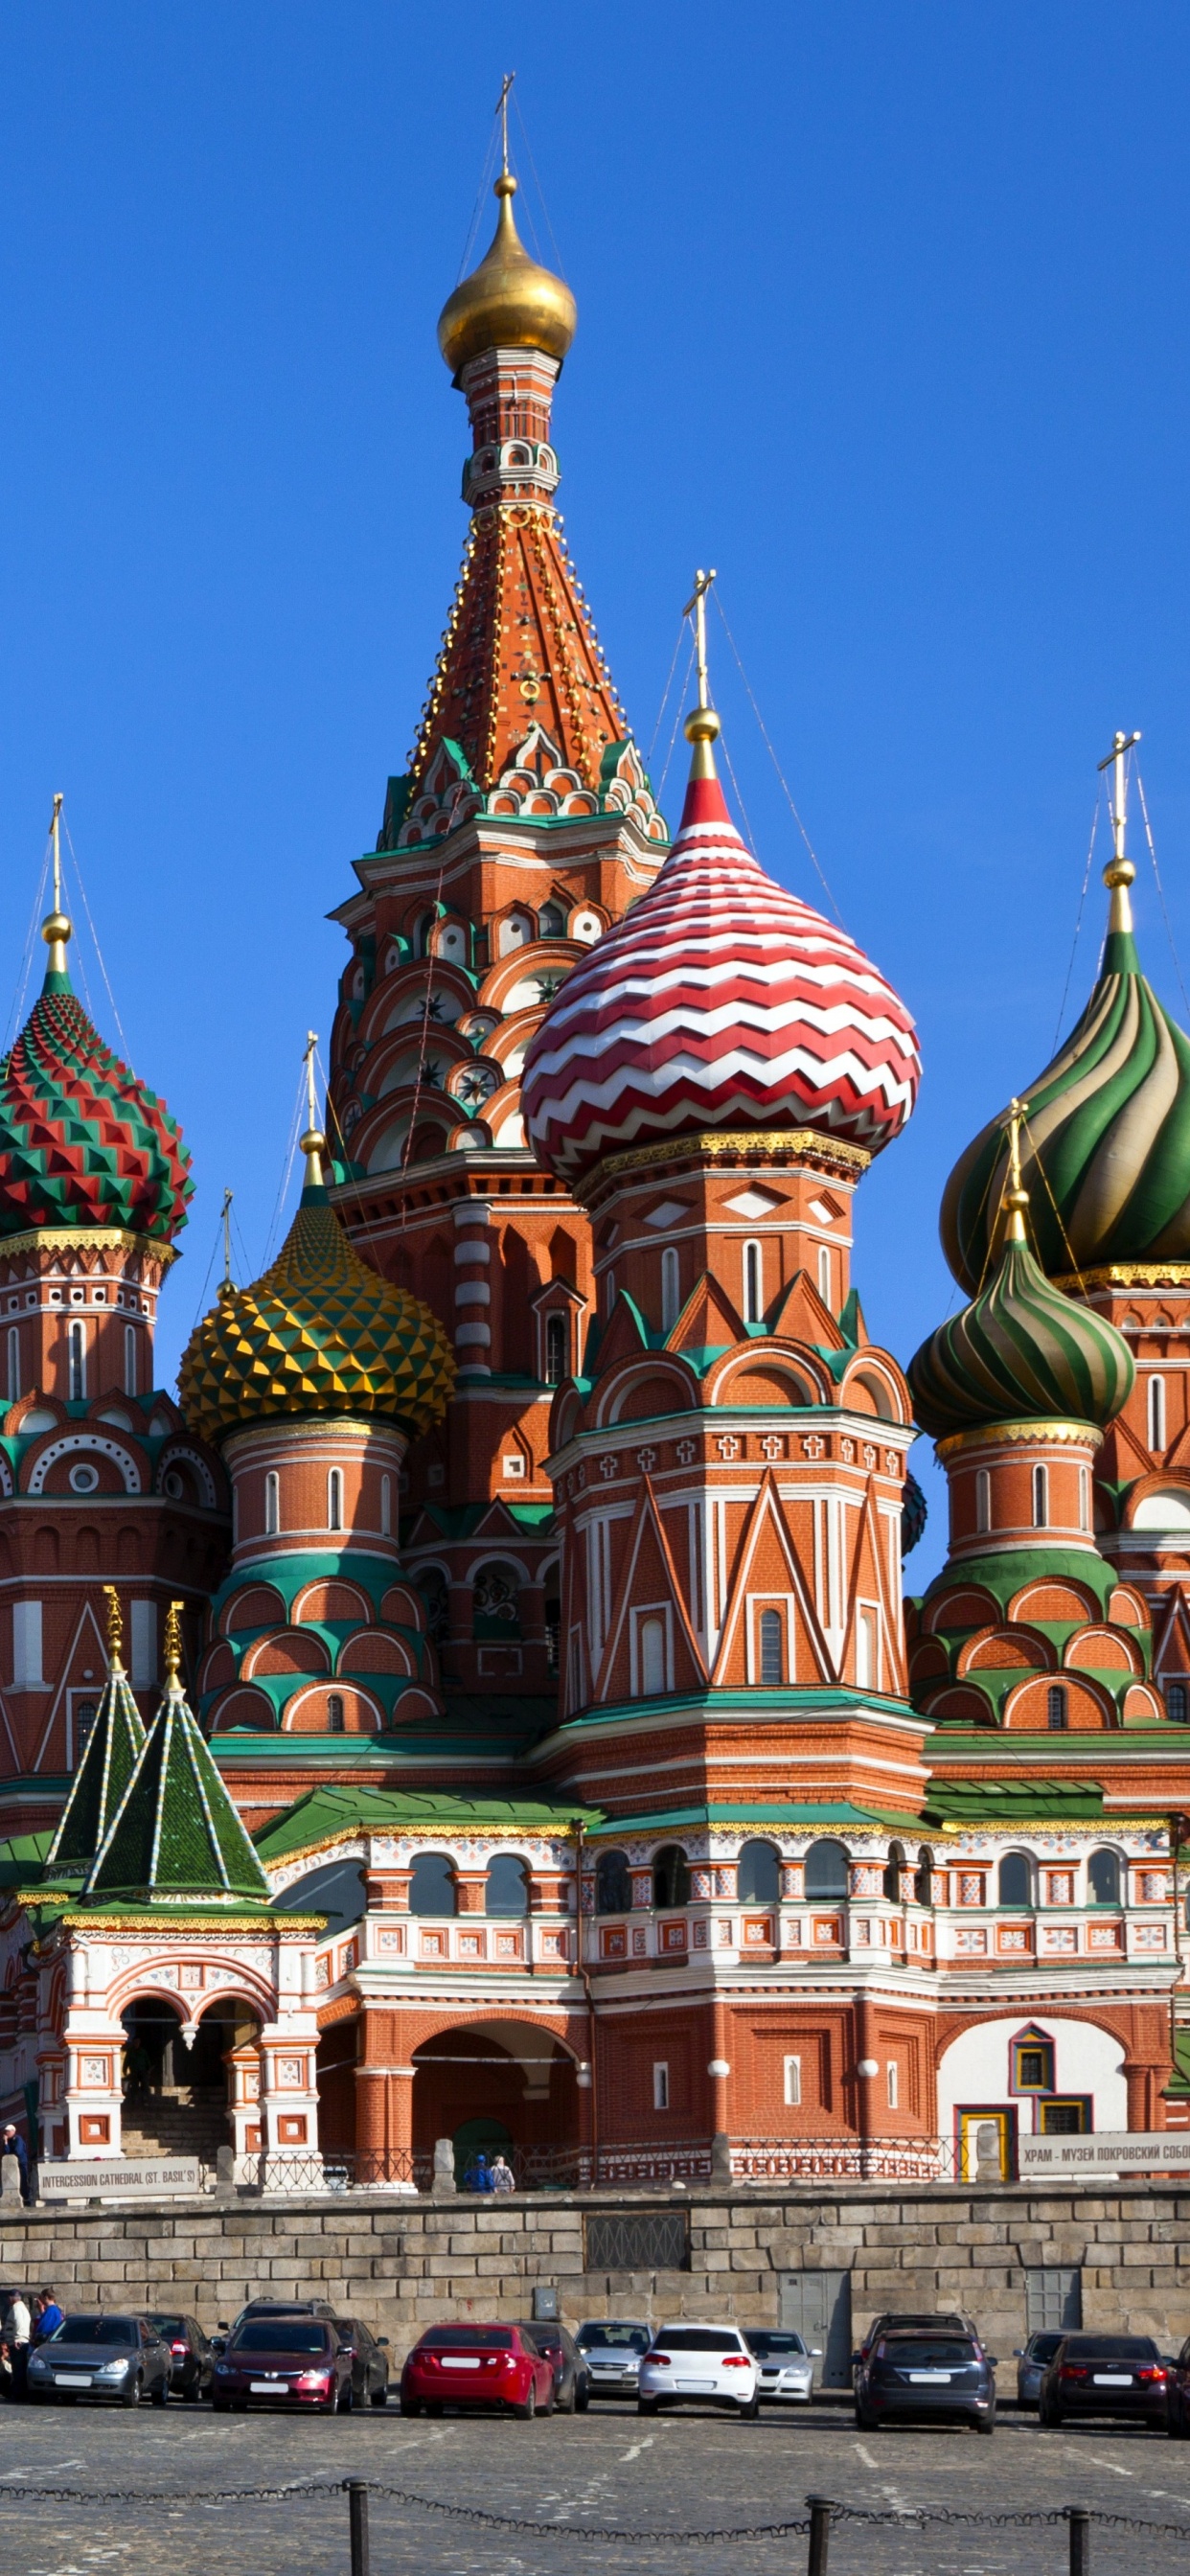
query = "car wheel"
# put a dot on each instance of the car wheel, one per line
(132, 2396)
(985, 2423)
(411, 2406)
(750, 2410)
(433, 2406)
(160, 2394)
(1175, 2427)
(346, 2401)
(865, 2423)
(582, 2399)
(1050, 2418)
(380, 2395)
(190, 2389)
(567, 2399)
(526, 2413)
(646, 2405)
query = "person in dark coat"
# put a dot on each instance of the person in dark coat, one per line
(12, 2144)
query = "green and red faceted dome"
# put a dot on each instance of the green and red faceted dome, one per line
(719, 1003)
(82, 1142)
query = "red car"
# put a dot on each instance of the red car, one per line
(284, 2361)
(469, 2365)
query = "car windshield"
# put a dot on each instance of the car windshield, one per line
(1110, 2348)
(697, 2339)
(773, 2347)
(1042, 2347)
(282, 2334)
(118, 2330)
(468, 2339)
(610, 2337)
(168, 2325)
(926, 2352)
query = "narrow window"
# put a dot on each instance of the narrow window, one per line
(555, 1350)
(1084, 1498)
(660, 2085)
(793, 2081)
(144, 1644)
(386, 1507)
(865, 1650)
(272, 1503)
(772, 1668)
(983, 1499)
(1156, 1413)
(334, 1714)
(26, 1645)
(894, 2084)
(1175, 1701)
(77, 1362)
(334, 1499)
(609, 1291)
(130, 1385)
(1055, 1707)
(84, 1720)
(1041, 1498)
(652, 1656)
(753, 1284)
(824, 1273)
(669, 1289)
(1103, 1872)
(1016, 1879)
(14, 1362)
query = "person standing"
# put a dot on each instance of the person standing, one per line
(47, 2316)
(12, 2144)
(503, 2177)
(18, 2327)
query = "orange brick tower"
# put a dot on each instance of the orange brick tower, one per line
(522, 827)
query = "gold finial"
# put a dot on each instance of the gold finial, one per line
(510, 301)
(314, 1141)
(228, 1196)
(56, 928)
(1015, 1200)
(114, 1622)
(1119, 872)
(702, 724)
(172, 1650)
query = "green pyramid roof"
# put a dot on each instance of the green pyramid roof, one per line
(110, 1757)
(175, 1833)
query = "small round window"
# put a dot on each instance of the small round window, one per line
(83, 1477)
(173, 1485)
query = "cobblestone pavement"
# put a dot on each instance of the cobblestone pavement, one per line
(672, 2474)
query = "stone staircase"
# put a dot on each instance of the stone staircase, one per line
(180, 2120)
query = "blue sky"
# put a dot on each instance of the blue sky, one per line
(883, 311)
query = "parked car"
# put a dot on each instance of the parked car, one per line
(280, 2308)
(612, 2347)
(284, 2361)
(102, 2356)
(1030, 2362)
(193, 2360)
(369, 2361)
(904, 2321)
(1106, 2374)
(688, 2365)
(477, 2365)
(572, 2378)
(930, 2374)
(1177, 2396)
(786, 2364)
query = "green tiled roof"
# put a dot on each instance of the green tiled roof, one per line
(110, 1756)
(175, 1833)
(326, 1812)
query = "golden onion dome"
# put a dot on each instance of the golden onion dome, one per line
(508, 302)
(320, 1333)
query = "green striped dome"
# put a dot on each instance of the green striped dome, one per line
(1109, 1123)
(1021, 1348)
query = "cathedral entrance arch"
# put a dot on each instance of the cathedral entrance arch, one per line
(498, 2086)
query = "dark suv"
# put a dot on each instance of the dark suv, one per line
(932, 2373)
(1106, 2374)
(1177, 2394)
(903, 2321)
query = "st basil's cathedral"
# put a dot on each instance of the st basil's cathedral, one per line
(483, 1705)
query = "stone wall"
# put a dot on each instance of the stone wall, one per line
(399, 2262)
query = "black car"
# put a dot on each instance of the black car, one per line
(931, 2375)
(193, 2359)
(369, 2362)
(572, 2376)
(904, 2321)
(1031, 2362)
(98, 2355)
(1106, 2374)
(280, 2308)
(1177, 2393)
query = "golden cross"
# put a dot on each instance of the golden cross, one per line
(311, 1043)
(1116, 758)
(56, 831)
(228, 1196)
(696, 607)
(502, 113)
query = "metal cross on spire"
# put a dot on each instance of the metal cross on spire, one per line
(228, 1196)
(696, 607)
(313, 1142)
(1119, 872)
(56, 837)
(502, 113)
(55, 929)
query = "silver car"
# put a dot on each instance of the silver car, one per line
(786, 2364)
(612, 2348)
(1031, 2364)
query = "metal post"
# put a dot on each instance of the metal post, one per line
(821, 2509)
(1080, 2540)
(357, 2497)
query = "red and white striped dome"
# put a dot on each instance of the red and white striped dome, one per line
(719, 1002)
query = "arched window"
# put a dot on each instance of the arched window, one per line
(1041, 1498)
(556, 1353)
(670, 1288)
(758, 1880)
(14, 1362)
(130, 1370)
(1176, 1703)
(866, 1650)
(824, 1273)
(432, 1887)
(507, 1890)
(76, 1349)
(671, 1876)
(1084, 1498)
(1156, 1413)
(272, 1503)
(753, 1283)
(1055, 1708)
(651, 1648)
(496, 1603)
(826, 1870)
(892, 1873)
(1103, 1877)
(551, 921)
(84, 1720)
(386, 1507)
(613, 1883)
(1016, 1879)
(923, 1877)
(983, 1499)
(609, 1291)
(772, 1661)
(334, 1499)
(334, 1714)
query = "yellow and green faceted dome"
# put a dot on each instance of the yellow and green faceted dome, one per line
(320, 1333)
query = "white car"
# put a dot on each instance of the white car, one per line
(786, 2364)
(612, 2348)
(686, 2365)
